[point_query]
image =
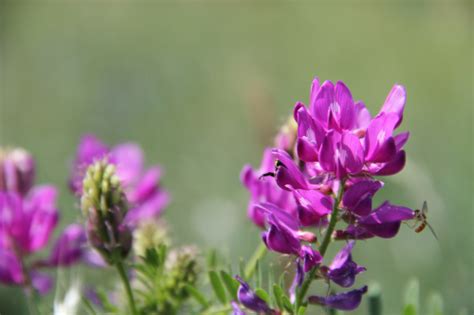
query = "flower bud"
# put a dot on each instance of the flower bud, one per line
(104, 205)
(17, 170)
(182, 268)
(148, 235)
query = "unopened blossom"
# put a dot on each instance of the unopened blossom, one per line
(250, 300)
(346, 301)
(17, 170)
(141, 186)
(343, 270)
(104, 205)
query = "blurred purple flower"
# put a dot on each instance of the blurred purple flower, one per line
(346, 301)
(17, 170)
(250, 300)
(142, 187)
(236, 309)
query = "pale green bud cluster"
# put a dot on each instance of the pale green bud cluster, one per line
(150, 235)
(101, 188)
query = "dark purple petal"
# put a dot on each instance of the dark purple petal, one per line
(342, 269)
(280, 238)
(346, 301)
(311, 257)
(353, 232)
(250, 300)
(385, 220)
(288, 175)
(313, 205)
(394, 166)
(327, 152)
(69, 247)
(310, 135)
(41, 282)
(401, 139)
(11, 271)
(395, 102)
(358, 197)
(278, 213)
(379, 144)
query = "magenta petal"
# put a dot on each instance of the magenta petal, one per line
(328, 151)
(346, 301)
(288, 175)
(148, 210)
(379, 144)
(350, 154)
(324, 98)
(278, 213)
(90, 148)
(41, 282)
(41, 205)
(147, 187)
(358, 197)
(280, 238)
(313, 93)
(128, 158)
(362, 114)
(69, 247)
(11, 271)
(394, 166)
(306, 150)
(395, 102)
(344, 100)
(313, 206)
(343, 270)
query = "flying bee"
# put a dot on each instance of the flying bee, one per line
(421, 218)
(272, 174)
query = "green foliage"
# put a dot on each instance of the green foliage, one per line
(412, 297)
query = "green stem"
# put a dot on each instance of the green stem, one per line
(322, 249)
(126, 284)
(252, 264)
(31, 297)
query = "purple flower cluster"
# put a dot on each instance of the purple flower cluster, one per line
(328, 175)
(142, 187)
(28, 217)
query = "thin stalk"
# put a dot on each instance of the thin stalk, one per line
(259, 253)
(126, 284)
(322, 249)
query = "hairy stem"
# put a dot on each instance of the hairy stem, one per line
(252, 264)
(126, 284)
(322, 249)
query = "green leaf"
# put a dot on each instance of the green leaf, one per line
(198, 296)
(287, 304)
(263, 295)
(302, 310)
(412, 297)
(230, 283)
(277, 294)
(435, 304)
(217, 287)
(409, 310)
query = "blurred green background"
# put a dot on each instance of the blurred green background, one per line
(203, 86)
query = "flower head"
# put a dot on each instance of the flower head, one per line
(104, 205)
(343, 269)
(142, 187)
